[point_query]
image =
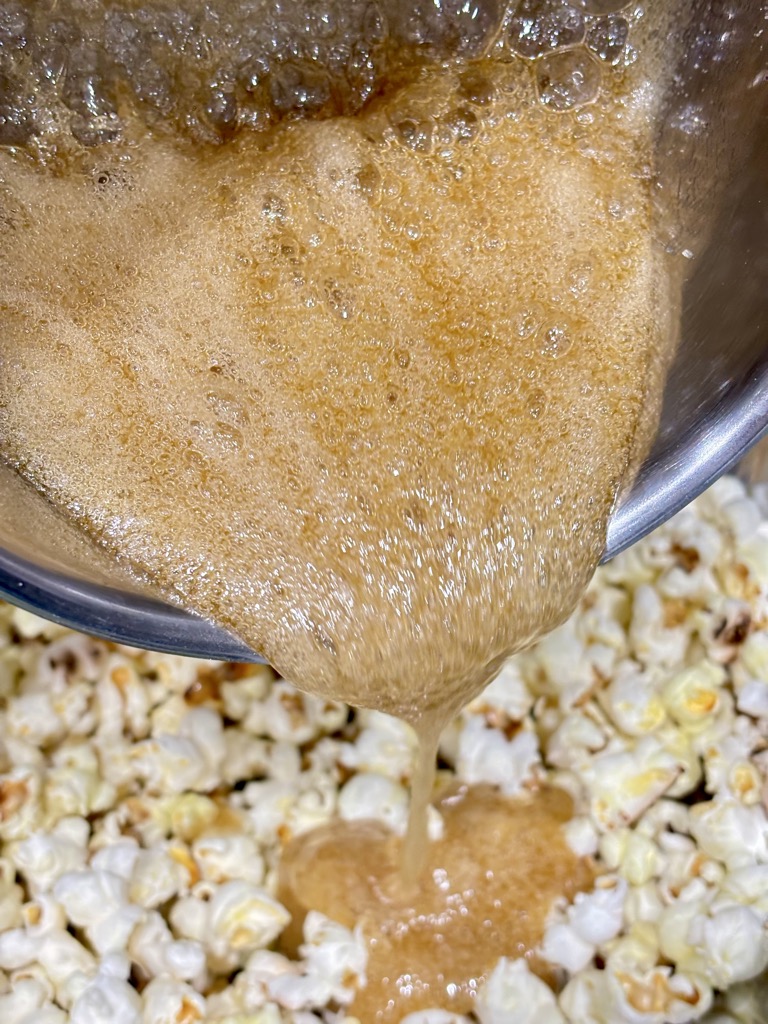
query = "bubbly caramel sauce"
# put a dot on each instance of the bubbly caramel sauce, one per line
(485, 892)
(363, 391)
(366, 403)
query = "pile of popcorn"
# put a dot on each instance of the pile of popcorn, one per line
(145, 799)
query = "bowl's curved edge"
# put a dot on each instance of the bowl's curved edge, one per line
(111, 614)
(672, 479)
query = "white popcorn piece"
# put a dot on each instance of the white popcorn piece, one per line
(642, 859)
(240, 695)
(728, 831)
(741, 517)
(674, 929)
(288, 714)
(244, 917)
(61, 956)
(633, 701)
(748, 885)
(272, 805)
(486, 755)
(590, 921)
(512, 993)
(74, 785)
(21, 808)
(507, 693)
(652, 997)
(153, 947)
(369, 796)
(284, 761)
(29, 625)
(747, 1002)
(205, 728)
(189, 917)
(623, 785)
(42, 915)
(247, 757)
(752, 698)
(694, 696)
(98, 902)
(223, 858)
(734, 945)
(156, 878)
(174, 671)
(562, 659)
(28, 1003)
(107, 1000)
(582, 836)
(172, 764)
(682, 746)
(238, 918)
(597, 916)
(754, 655)
(644, 903)
(384, 746)
(564, 947)
(745, 782)
(11, 896)
(45, 857)
(165, 1001)
(575, 740)
(653, 641)
(250, 990)
(636, 950)
(118, 858)
(31, 716)
(335, 954)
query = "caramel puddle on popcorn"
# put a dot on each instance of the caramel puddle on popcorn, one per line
(486, 889)
(362, 391)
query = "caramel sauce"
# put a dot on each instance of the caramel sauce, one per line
(484, 892)
(364, 391)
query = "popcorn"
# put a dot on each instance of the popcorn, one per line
(654, 642)
(633, 702)
(170, 1002)
(98, 902)
(729, 831)
(734, 943)
(236, 919)
(693, 697)
(107, 999)
(44, 857)
(655, 997)
(156, 878)
(622, 785)
(21, 808)
(27, 1004)
(375, 796)
(513, 993)
(153, 947)
(592, 920)
(486, 755)
(222, 858)
(385, 746)
(335, 954)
